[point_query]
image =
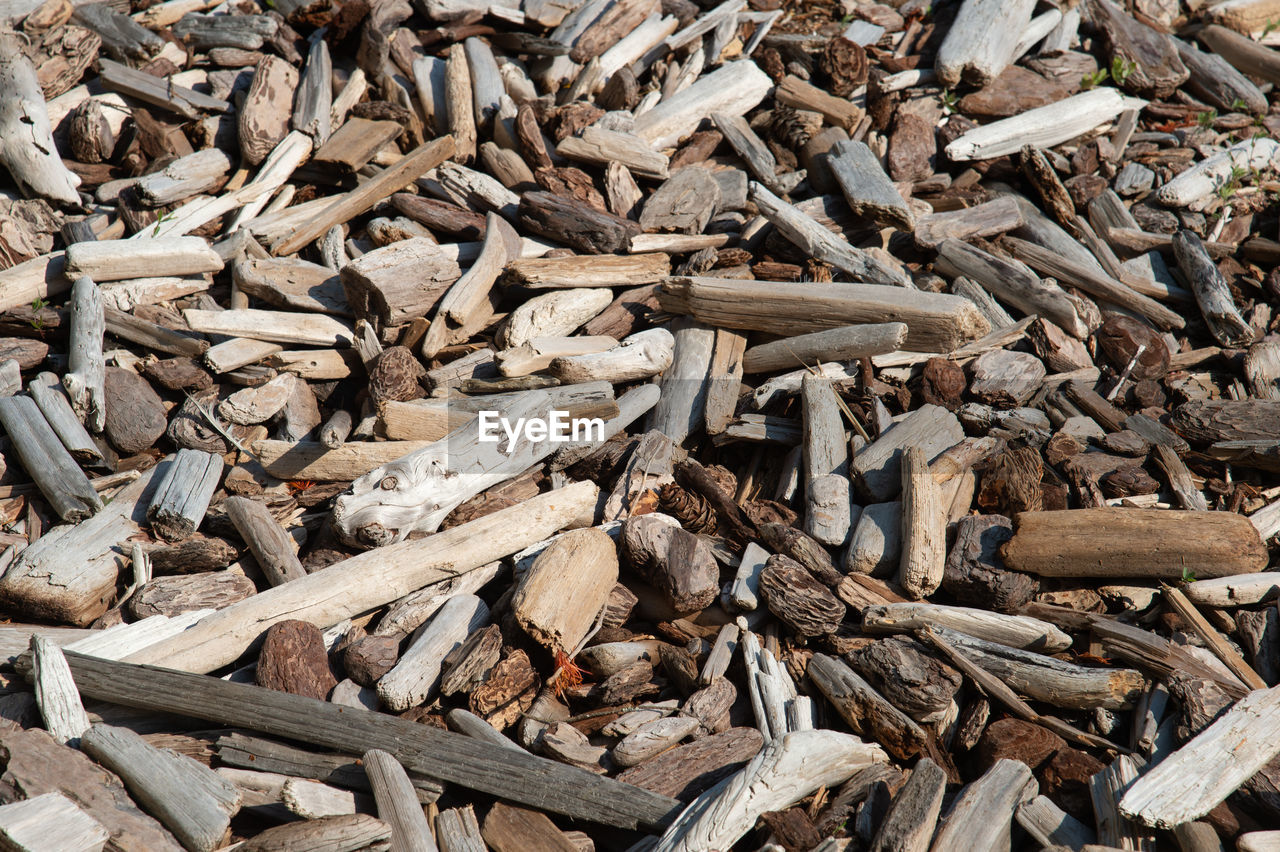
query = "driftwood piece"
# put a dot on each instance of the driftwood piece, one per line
(182, 499)
(1016, 631)
(734, 88)
(1127, 543)
(29, 152)
(910, 821)
(786, 771)
(190, 799)
(50, 821)
(466, 308)
(86, 369)
(56, 695)
(269, 543)
(866, 711)
(982, 816)
(924, 549)
(877, 467)
(828, 513)
(555, 619)
(1189, 783)
(1043, 127)
(979, 43)
(398, 803)
(47, 461)
(1213, 295)
(47, 391)
(866, 187)
(935, 322)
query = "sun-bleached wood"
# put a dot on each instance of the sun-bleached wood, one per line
(1016, 631)
(47, 461)
(50, 397)
(866, 187)
(643, 354)
(1212, 292)
(86, 367)
(924, 534)
(271, 546)
(981, 41)
(458, 831)
(1221, 648)
(607, 270)
(819, 242)
(866, 711)
(684, 384)
(466, 308)
(50, 821)
(351, 204)
(29, 153)
(599, 147)
(238, 352)
(400, 281)
(1243, 590)
(734, 88)
(585, 561)
(936, 322)
(190, 799)
(1044, 126)
(786, 771)
(272, 326)
(417, 673)
(555, 313)
(828, 501)
(1048, 824)
(317, 462)
(56, 694)
(1206, 177)
(982, 816)
(398, 803)
(372, 579)
(182, 499)
(1193, 780)
(118, 260)
(459, 112)
(291, 283)
(846, 343)
(724, 380)
(653, 738)
(538, 353)
(877, 466)
(1129, 542)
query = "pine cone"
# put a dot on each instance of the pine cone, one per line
(692, 510)
(846, 64)
(788, 129)
(396, 376)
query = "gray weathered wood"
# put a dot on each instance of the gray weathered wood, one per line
(877, 467)
(51, 398)
(684, 385)
(979, 44)
(847, 343)
(982, 816)
(1213, 295)
(828, 501)
(269, 543)
(86, 368)
(50, 821)
(908, 826)
(56, 694)
(183, 497)
(314, 100)
(924, 532)
(47, 461)
(866, 187)
(190, 799)
(398, 803)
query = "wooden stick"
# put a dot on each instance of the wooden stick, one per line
(117, 260)
(980, 42)
(982, 816)
(1219, 645)
(50, 821)
(190, 799)
(398, 803)
(450, 757)
(56, 695)
(1043, 127)
(734, 88)
(47, 391)
(357, 201)
(935, 322)
(182, 499)
(86, 369)
(47, 461)
(465, 309)
(1213, 295)
(866, 711)
(1016, 631)
(371, 579)
(828, 501)
(267, 540)
(924, 548)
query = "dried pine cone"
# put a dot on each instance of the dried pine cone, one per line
(846, 64)
(396, 376)
(788, 129)
(692, 510)
(771, 63)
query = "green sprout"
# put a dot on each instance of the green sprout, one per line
(160, 220)
(1093, 80)
(1238, 105)
(1188, 576)
(1207, 118)
(949, 101)
(1121, 68)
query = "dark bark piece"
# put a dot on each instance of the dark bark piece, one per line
(686, 771)
(1215, 420)
(441, 216)
(1157, 71)
(193, 556)
(1015, 739)
(370, 657)
(684, 203)
(943, 383)
(1011, 482)
(188, 592)
(342, 833)
(914, 682)
(798, 599)
(1005, 379)
(792, 829)
(294, 659)
(178, 374)
(509, 692)
(575, 224)
(1119, 338)
(673, 560)
(28, 353)
(628, 313)
(913, 148)
(975, 574)
(467, 666)
(509, 829)
(1015, 91)
(803, 548)
(1215, 82)
(627, 683)
(1065, 780)
(135, 416)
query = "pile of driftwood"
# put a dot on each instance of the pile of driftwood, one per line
(931, 425)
